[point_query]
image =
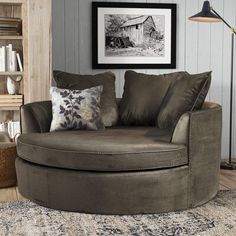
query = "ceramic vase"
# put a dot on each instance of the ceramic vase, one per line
(13, 86)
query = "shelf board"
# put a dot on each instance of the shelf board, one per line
(11, 37)
(10, 102)
(17, 108)
(11, 73)
(6, 96)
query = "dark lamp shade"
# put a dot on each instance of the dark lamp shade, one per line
(205, 15)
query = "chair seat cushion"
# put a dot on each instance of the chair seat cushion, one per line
(113, 149)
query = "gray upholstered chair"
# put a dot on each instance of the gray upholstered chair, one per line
(121, 170)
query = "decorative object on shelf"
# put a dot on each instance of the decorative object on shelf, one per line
(13, 85)
(134, 35)
(208, 14)
(10, 26)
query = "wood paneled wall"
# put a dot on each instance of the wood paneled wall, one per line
(200, 47)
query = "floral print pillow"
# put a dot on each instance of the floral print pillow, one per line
(76, 109)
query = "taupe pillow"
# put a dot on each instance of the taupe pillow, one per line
(143, 95)
(185, 94)
(76, 109)
(109, 110)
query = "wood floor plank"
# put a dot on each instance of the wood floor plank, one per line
(19, 196)
(227, 182)
(229, 173)
(8, 194)
(222, 187)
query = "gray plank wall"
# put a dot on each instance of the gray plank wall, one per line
(200, 47)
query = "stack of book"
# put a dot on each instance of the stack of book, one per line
(9, 59)
(12, 127)
(10, 26)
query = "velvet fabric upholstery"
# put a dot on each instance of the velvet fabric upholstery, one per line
(116, 149)
(204, 158)
(143, 95)
(126, 191)
(109, 110)
(36, 117)
(181, 131)
(185, 94)
(121, 193)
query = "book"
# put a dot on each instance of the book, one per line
(9, 34)
(19, 62)
(10, 26)
(13, 63)
(9, 19)
(4, 59)
(3, 127)
(9, 55)
(1, 60)
(13, 128)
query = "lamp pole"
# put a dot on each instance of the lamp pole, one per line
(230, 164)
(208, 14)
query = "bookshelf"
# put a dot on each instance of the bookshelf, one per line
(10, 104)
(34, 45)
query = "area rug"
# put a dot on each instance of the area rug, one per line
(216, 218)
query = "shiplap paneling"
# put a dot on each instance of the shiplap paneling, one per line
(200, 47)
(58, 34)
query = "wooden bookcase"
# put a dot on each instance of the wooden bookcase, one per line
(10, 104)
(35, 45)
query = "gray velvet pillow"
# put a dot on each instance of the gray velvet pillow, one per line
(143, 95)
(109, 110)
(185, 94)
(76, 109)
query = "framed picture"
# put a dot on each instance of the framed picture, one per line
(133, 35)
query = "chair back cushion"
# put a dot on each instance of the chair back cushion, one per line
(143, 95)
(185, 94)
(109, 110)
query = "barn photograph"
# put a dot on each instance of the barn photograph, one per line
(134, 35)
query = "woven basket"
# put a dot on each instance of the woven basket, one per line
(7, 164)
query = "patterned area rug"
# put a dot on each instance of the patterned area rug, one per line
(215, 218)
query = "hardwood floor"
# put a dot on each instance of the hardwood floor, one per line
(227, 179)
(227, 182)
(10, 194)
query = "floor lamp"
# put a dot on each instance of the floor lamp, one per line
(208, 14)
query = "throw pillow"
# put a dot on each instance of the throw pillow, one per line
(109, 110)
(185, 94)
(142, 97)
(76, 109)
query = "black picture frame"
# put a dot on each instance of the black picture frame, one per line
(96, 64)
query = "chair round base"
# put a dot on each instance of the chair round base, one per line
(140, 192)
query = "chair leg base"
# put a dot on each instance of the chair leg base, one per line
(228, 166)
